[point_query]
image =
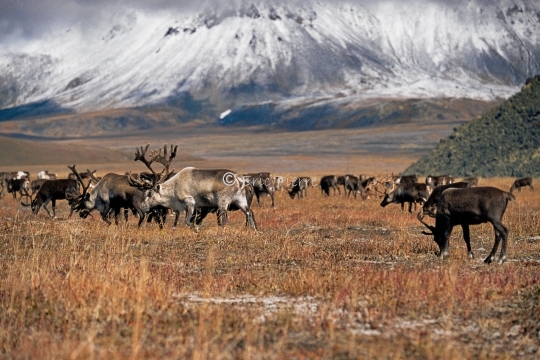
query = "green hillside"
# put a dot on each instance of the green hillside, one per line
(503, 142)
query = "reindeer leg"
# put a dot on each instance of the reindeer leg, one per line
(501, 233)
(446, 240)
(53, 201)
(467, 238)
(176, 218)
(44, 205)
(190, 209)
(105, 213)
(498, 234)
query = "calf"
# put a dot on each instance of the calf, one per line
(519, 183)
(470, 206)
(408, 192)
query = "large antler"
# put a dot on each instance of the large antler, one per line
(26, 194)
(155, 156)
(430, 227)
(75, 199)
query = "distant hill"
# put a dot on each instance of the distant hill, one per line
(505, 141)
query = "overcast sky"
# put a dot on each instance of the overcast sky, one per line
(22, 19)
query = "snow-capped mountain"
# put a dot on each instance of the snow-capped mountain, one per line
(256, 52)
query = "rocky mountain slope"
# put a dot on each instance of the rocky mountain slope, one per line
(249, 54)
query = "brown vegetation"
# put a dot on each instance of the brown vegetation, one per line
(327, 277)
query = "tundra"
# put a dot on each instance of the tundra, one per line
(470, 206)
(407, 192)
(519, 183)
(190, 188)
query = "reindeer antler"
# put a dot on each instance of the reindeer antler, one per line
(155, 156)
(421, 219)
(75, 199)
(26, 194)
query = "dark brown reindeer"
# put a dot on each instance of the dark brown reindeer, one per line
(110, 194)
(18, 186)
(519, 183)
(190, 188)
(430, 204)
(329, 182)
(50, 191)
(411, 193)
(470, 206)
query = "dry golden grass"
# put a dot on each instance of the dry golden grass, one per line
(326, 277)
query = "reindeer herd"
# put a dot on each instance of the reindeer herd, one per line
(199, 192)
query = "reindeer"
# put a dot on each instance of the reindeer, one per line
(352, 185)
(406, 179)
(299, 187)
(329, 182)
(45, 175)
(112, 193)
(200, 213)
(407, 192)
(190, 188)
(263, 183)
(470, 206)
(17, 186)
(519, 183)
(50, 191)
(439, 180)
(430, 204)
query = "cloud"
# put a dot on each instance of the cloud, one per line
(32, 18)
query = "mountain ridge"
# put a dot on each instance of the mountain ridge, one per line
(253, 53)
